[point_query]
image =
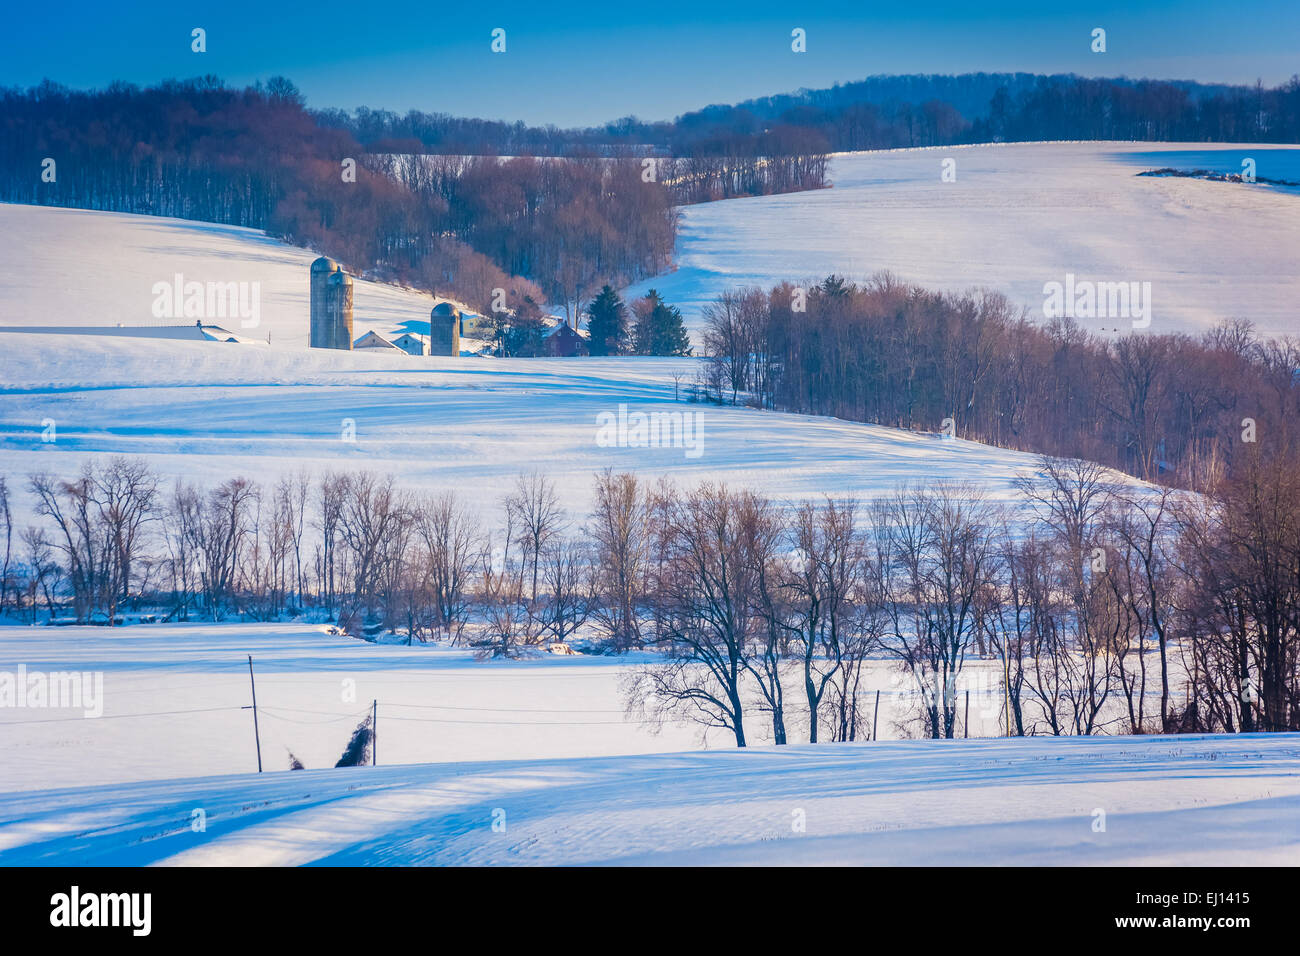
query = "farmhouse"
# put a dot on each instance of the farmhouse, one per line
(564, 342)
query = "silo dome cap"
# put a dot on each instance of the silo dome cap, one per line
(444, 308)
(324, 264)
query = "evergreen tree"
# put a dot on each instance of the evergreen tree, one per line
(607, 324)
(660, 329)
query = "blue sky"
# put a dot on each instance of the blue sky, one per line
(574, 64)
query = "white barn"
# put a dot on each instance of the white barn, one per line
(373, 341)
(412, 344)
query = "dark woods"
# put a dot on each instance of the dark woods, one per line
(542, 230)
(1168, 407)
(463, 225)
(904, 111)
(880, 112)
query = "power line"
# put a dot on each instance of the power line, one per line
(504, 710)
(293, 720)
(161, 713)
(300, 710)
(514, 723)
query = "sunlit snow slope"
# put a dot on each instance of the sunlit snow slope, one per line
(213, 410)
(1117, 800)
(1016, 217)
(210, 411)
(74, 267)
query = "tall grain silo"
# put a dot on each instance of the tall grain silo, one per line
(444, 330)
(331, 305)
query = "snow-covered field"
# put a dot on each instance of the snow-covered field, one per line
(76, 267)
(1016, 217)
(1034, 801)
(210, 411)
(545, 741)
(173, 703)
(543, 746)
(173, 695)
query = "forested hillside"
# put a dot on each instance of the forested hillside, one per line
(197, 149)
(881, 112)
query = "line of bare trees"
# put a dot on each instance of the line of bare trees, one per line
(1103, 605)
(1170, 407)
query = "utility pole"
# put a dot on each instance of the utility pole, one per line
(374, 732)
(965, 721)
(1006, 687)
(257, 736)
(874, 714)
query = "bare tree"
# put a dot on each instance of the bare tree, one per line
(844, 713)
(1083, 621)
(70, 506)
(1240, 557)
(824, 581)
(567, 576)
(537, 517)
(621, 529)
(182, 516)
(223, 532)
(297, 492)
(44, 572)
(453, 547)
(331, 492)
(372, 513)
(766, 657)
(1020, 617)
(707, 590)
(1143, 529)
(936, 550)
(509, 622)
(126, 494)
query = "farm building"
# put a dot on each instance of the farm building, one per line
(331, 305)
(411, 344)
(563, 341)
(444, 330)
(374, 342)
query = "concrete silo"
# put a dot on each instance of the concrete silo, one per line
(331, 305)
(444, 330)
